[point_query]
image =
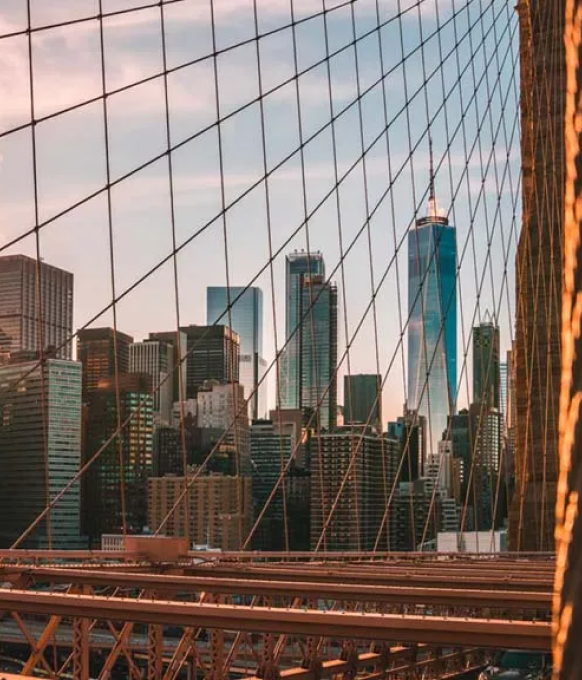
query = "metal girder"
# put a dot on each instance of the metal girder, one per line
(361, 592)
(385, 577)
(432, 629)
(81, 649)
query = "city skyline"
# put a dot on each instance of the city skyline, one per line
(140, 205)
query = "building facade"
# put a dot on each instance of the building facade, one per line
(221, 408)
(219, 508)
(245, 317)
(40, 433)
(486, 364)
(270, 451)
(410, 431)
(24, 301)
(213, 354)
(155, 357)
(298, 266)
(102, 509)
(318, 353)
(432, 329)
(179, 343)
(96, 350)
(363, 400)
(356, 468)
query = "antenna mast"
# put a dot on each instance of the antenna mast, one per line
(432, 209)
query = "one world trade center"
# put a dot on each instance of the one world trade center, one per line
(432, 308)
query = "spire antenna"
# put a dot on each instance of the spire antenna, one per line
(432, 206)
(431, 196)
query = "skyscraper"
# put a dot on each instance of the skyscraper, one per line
(486, 371)
(20, 311)
(155, 357)
(410, 431)
(432, 330)
(245, 319)
(179, 358)
(539, 271)
(31, 420)
(318, 352)
(298, 266)
(213, 354)
(363, 400)
(102, 484)
(96, 351)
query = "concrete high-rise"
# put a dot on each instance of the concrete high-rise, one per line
(96, 349)
(299, 266)
(40, 451)
(213, 353)
(539, 270)
(246, 319)
(155, 357)
(486, 369)
(24, 303)
(363, 400)
(432, 329)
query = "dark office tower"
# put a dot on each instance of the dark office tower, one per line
(539, 270)
(486, 369)
(246, 319)
(432, 331)
(26, 466)
(179, 358)
(101, 492)
(414, 516)
(363, 400)
(213, 354)
(270, 450)
(96, 351)
(21, 310)
(155, 357)
(299, 265)
(318, 353)
(410, 431)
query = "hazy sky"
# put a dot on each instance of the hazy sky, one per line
(71, 158)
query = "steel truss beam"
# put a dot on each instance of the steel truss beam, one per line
(360, 592)
(489, 633)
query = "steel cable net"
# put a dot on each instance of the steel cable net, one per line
(269, 209)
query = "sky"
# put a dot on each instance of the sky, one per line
(469, 52)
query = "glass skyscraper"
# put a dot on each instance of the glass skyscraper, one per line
(298, 266)
(432, 330)
(246, 317)
(363, 400)
(318, 352)
(40, 451)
